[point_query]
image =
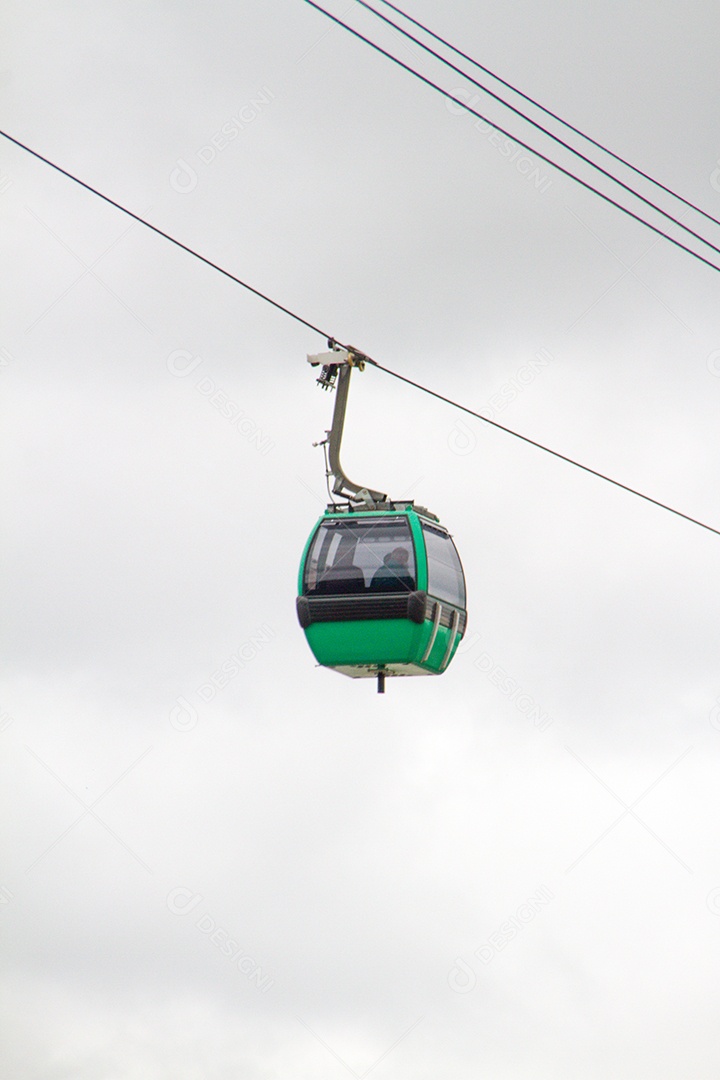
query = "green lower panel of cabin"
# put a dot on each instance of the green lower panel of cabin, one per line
(395, 645)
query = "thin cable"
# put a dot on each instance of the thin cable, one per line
(166, 236)
(540, 446)
(532, 150)
(548, 112)
(540, 127)
(381, 367)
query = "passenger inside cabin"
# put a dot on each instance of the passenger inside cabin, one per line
(393, 575)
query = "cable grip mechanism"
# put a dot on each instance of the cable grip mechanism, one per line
(336, 367)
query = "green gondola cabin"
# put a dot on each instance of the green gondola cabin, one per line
(382, 592)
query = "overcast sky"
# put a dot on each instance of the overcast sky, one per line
(512, 871)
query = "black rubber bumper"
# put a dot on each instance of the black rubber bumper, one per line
(416, 606)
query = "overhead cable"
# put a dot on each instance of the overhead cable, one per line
(549, 112)
(540, 127)
(166, 236)
(540, 446)
(333, 341)
(503, 131)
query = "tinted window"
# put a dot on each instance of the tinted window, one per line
(445, 574)
(375, 555)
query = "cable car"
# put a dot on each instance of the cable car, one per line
(381, 589)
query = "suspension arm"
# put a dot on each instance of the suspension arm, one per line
(337, 369)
